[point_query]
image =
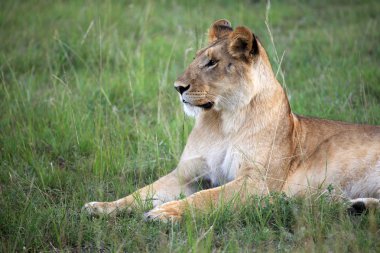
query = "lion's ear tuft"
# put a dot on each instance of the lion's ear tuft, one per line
(219, 29)
(243, 43)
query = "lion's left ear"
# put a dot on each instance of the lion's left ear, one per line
(219, 29)
(243, 43)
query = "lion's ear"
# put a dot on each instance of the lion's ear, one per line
(219, 29)
(243, 43)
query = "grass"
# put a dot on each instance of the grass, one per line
(88, 112)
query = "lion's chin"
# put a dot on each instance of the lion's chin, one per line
(194, 110)
(191, 111)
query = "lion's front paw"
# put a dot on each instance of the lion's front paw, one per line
(170, 211)
(98, 208)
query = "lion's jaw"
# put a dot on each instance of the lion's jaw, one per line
(237, 96)
(191, 110)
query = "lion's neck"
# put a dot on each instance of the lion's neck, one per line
(267, 105)
(260, 113)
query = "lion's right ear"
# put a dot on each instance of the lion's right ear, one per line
(219, 29)
(243, 43)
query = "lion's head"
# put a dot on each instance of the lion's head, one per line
(222, 75)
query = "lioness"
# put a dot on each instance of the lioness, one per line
(247, 141)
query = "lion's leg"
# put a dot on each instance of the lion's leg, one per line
(180, 181)
(239, 188)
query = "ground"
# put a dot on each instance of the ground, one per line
(88, 112)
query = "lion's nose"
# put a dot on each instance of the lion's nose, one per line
(182, 89)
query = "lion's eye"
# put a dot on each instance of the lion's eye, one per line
(211, 63)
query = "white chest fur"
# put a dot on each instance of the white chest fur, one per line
(223, 165)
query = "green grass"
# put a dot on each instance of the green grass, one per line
(88, 112)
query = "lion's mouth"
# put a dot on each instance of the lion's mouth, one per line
(205, 106)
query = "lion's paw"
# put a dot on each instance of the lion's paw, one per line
(170, 211)
(98, 208)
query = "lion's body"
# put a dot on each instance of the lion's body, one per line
(247, 141)
(346, 156)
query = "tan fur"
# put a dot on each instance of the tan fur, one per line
(247, 141)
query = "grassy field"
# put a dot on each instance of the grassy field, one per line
(88, 112)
